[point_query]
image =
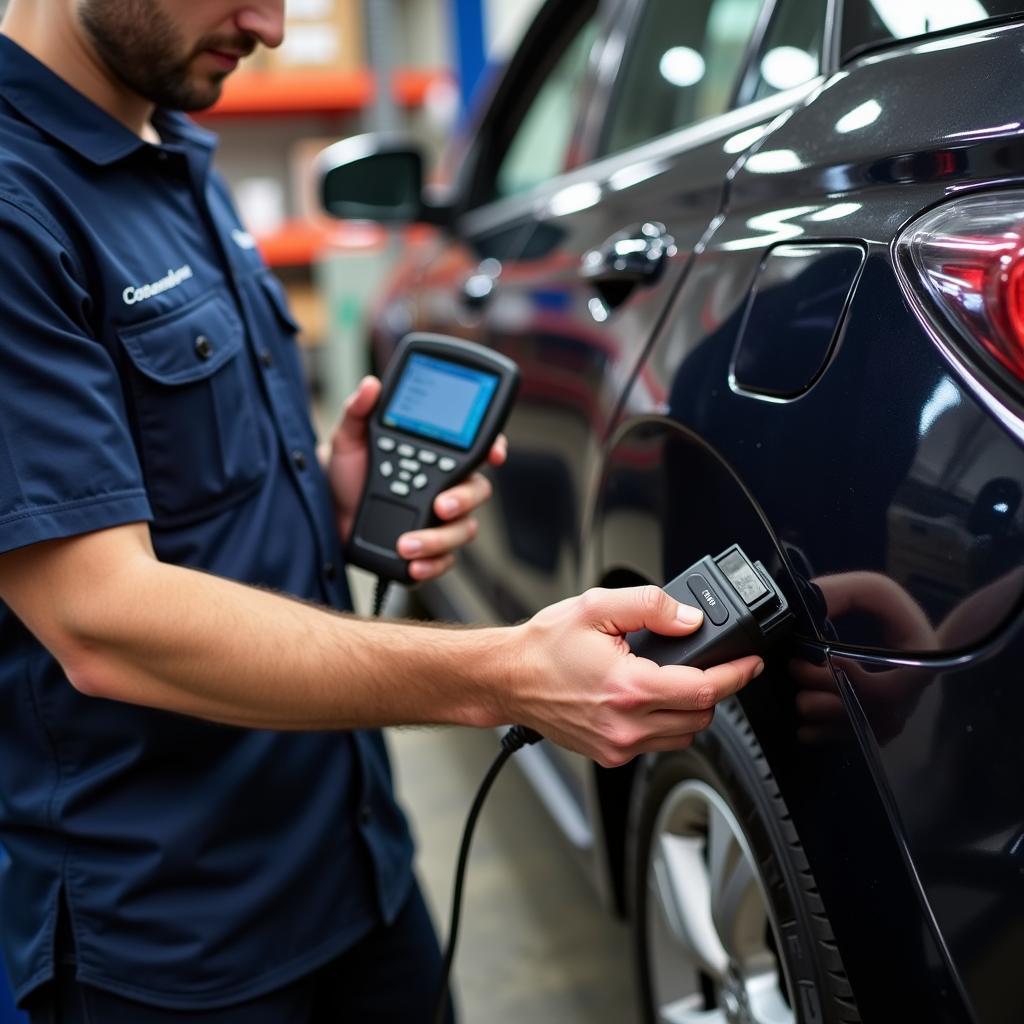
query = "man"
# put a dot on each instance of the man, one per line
(197, 826)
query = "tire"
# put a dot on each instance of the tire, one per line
(745, 940)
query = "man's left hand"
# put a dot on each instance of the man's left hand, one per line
(431, 552)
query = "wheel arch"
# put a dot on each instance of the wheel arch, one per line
(631, 543)
(664, 499)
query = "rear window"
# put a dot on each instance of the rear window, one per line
(870, 23)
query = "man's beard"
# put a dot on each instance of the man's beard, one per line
(142, 46)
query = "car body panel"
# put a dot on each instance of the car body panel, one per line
(660, 474)
(949, 770)
(918, 514)
(893, 458)
(634, 452)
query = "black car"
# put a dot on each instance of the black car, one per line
(761, 265)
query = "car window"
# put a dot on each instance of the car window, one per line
(791, 51)
(682, 65)
(538, 149)
(876, 22)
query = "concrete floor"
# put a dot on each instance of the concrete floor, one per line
(534, 942)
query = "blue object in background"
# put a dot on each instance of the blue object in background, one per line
(8, 1014)
(467, 20)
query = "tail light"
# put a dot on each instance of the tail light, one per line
(964, 264)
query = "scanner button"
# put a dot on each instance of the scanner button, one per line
(386, 444)
(446, 465)
(406, 451)
(386, 469)
(707, 598)
(400, 487)
(419, 482)
(410, 464)
(426, 456)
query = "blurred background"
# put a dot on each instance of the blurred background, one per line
(347, 67)
(535, 942)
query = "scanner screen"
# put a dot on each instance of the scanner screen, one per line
(440, 400)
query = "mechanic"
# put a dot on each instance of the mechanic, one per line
(195, 807)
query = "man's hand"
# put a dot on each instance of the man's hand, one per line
(578, 684)
(431, 552)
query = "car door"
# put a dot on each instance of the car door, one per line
(604, 246)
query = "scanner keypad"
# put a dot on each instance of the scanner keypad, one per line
(414, 468)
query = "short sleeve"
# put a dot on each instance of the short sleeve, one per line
(68, 464)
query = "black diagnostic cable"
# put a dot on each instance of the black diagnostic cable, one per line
(380, 591)
(515, 739)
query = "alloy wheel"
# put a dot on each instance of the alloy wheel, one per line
(710, 934)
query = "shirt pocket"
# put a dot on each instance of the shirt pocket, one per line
(195, 398)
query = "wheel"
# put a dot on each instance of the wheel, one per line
(728, 927)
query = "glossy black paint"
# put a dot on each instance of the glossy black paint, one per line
(793, 317)
(858, 465)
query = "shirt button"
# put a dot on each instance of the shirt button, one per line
(298, 460)
(266, 358)
(330, 570)
(204, 347)
(365, 814)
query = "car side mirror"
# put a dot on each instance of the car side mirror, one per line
(375, 177)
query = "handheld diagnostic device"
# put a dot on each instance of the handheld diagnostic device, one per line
(443, 403)
(744, 613)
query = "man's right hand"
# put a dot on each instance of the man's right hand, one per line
(577, 683)
(128, 627)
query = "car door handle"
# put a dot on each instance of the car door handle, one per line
(478, 288)
(631, 257)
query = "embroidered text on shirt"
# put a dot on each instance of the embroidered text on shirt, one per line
(139, 293)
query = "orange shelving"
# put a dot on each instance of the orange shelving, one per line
(280, 93)
(299, 242)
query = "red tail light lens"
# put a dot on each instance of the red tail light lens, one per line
(964, 263)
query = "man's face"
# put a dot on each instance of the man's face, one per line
(176, 54)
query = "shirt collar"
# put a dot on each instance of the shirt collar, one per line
(55, 107)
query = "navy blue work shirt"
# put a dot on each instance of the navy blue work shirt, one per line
(149, 372)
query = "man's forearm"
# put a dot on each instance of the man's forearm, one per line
(127, 627)
(182, 640)
(205, 646)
